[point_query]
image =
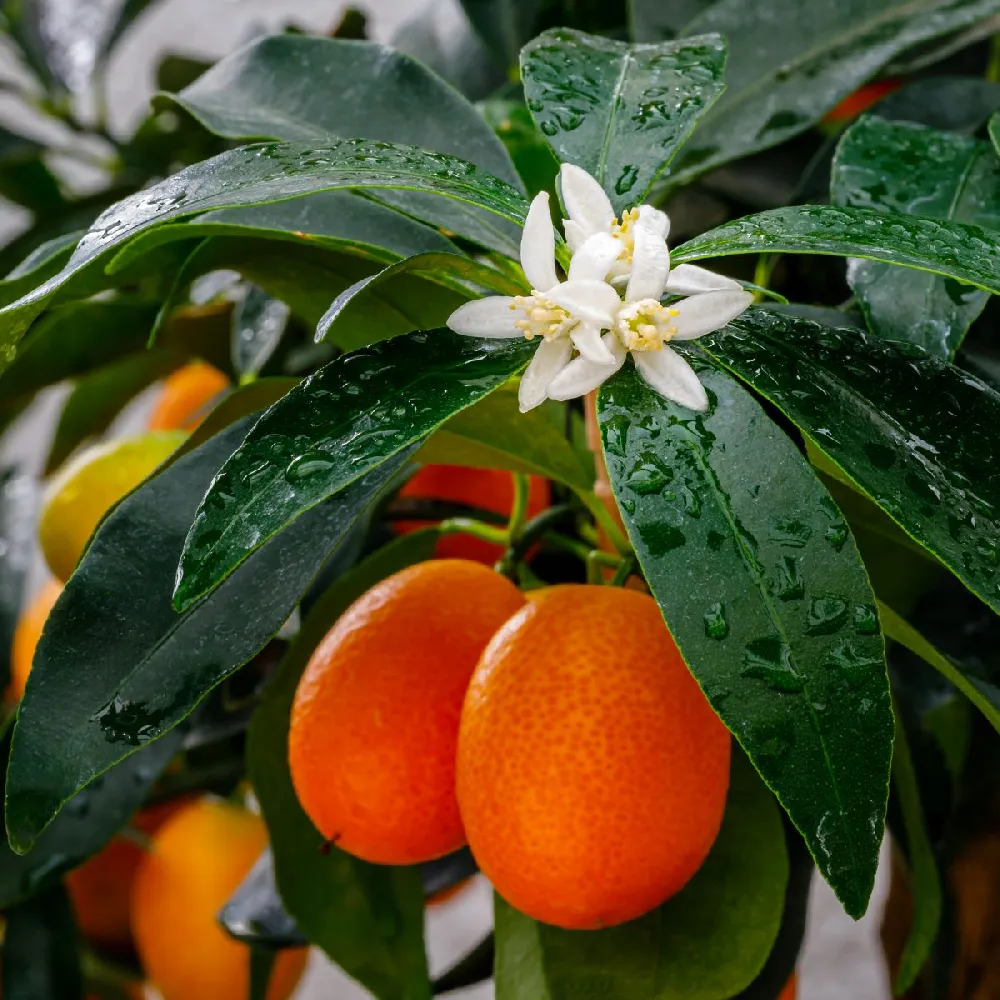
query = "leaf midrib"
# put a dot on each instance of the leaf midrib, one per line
(602, 162)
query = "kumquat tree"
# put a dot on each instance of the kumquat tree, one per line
(565, 464)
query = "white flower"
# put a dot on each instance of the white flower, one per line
(564, 315)
(643, 326)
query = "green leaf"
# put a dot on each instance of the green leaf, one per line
(273, 172)
(259, 321)
(984, 694)
(367, 918)
(762, 587)
(255, 913)
(791, 61)
(40, 957)
(912, 432)
(97, 398)
(24, 177)
(533, 157)
(967, 253)
(994, 130)
(950, 103)
(88, 823)
(328, 432)
(620, 111)
(494, 434)
(145, 677)
(706, 943)
(925, 883)
(959, 180)
(503, 25)
(654, 20)
(288, 87)
(424, 290)
(334, 220)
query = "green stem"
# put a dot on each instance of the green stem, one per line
(625, 569)
(519, 508)
(993, 67)
(606, 522)
(469, 526)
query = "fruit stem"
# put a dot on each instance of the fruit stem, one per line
(625, 569)
(519, 508)
(601, 502)
(469, 526)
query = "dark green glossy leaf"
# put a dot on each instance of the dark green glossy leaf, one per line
(967, 253)
(911, 432)
(470, 970)
(144, 679)
(951, 103)
(24, 177)
(533, 157)
(958, 179)
(424, 290)
(994, 130)
(367, 918)
(925, 883)
(97, 398)
(763, 589)
(40, 957)
(984, 694)
(335, 220)
(706, 943)
(620, 111)
(494, 434)
(328, 432)
(91, 818)
(654, 20)
(18, 512)
(258, 324)
(273, 172)
(503, 25)
(282, 87)
(262, 961)
(791, 61)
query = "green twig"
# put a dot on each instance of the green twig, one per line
(606, 522)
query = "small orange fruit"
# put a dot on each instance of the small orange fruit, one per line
(861, 100)
(186, 396)
(592, 773)
(488, 489)
(101, 888)
(26, 636)
(196, 861)
(790, 992)
(375, 719)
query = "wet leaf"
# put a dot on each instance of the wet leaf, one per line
(654, 20)
(143, 679)
(907, 429)
(273, 172)
(706, 943)
(762, 587)
(958, 179)
(503, 25)
(426, 289)
(40, 956)
(18, 512)
(925, 882)
(620, 111)
(258, 324)
(950, 103)
(359, 411)
(255, 914)
(994, 130)
(367, 918)
(791, 61)
(495, 434)
(24, 177)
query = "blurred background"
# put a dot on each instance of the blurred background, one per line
(841, 958)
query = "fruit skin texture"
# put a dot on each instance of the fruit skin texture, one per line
(196, 860)
(186, 396)
(374, 724)
(101, 888)
(592, 772)
(487, 489)
(78, 498)
(26, 636)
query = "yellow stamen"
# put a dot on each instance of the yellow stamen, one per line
(543, 317)
(645, 325)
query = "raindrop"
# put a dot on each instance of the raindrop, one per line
(648, 475)
(716, 626)
(853, 666)
(865, 620)
(789, 586)
(127, 721)
(770, 660)
(626, 179)
(826, 615)
(306, 466)
(836, 536)
(790, 531)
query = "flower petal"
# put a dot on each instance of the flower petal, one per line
(581, 376)
(576, 235)
(653, 218)
(593, 260)
(587, 340)
(550, 359)
(538, 245)
(701, 314)
(586, 203)
(689, 279)
(650, 266)
(590, 301)
(489, 317)
(671, 376)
